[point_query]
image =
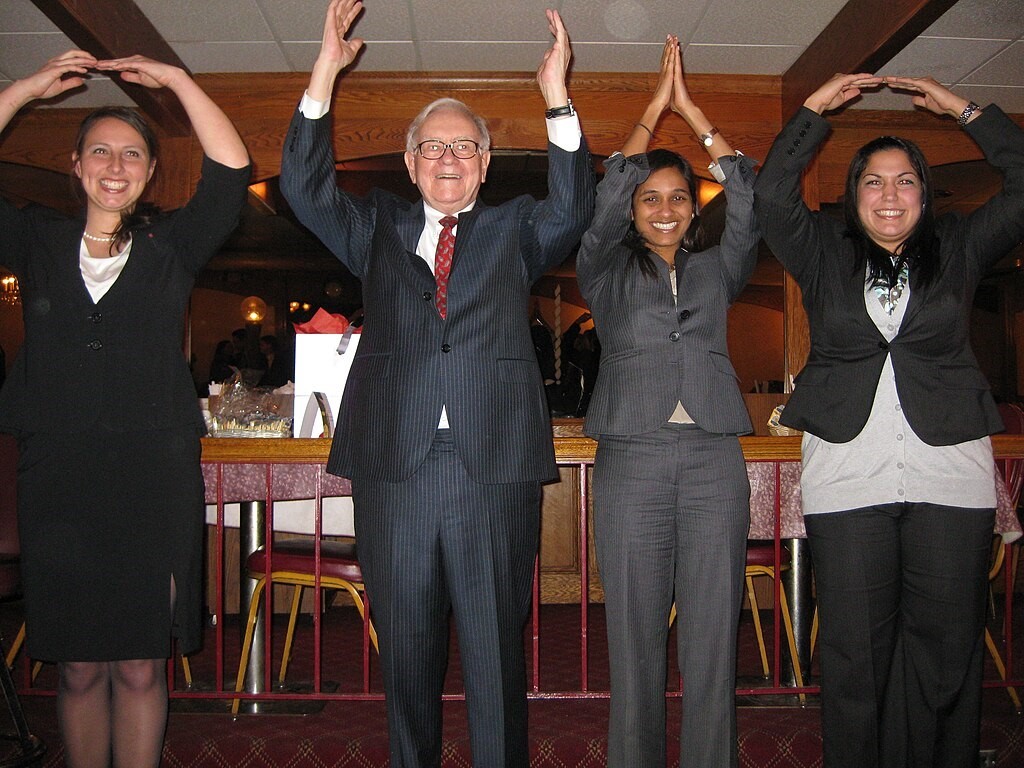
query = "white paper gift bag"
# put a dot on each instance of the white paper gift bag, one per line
(322, 363)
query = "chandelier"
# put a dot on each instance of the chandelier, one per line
(9, 291)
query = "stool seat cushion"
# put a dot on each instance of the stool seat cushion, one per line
(338, 559)
(762, 553)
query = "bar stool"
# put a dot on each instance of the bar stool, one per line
(294, 563)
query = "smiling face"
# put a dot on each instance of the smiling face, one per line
(663, 210)
(114, 165)
(889, 198)
(448, 184)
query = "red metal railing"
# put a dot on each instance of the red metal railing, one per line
(572, 450)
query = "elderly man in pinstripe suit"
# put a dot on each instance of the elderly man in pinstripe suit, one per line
(443, 427)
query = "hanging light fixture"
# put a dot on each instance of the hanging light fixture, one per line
(10, 293)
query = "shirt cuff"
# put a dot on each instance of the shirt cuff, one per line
(564, 132)
(313, 109)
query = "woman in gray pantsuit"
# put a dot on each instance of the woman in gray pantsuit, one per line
(670, 485)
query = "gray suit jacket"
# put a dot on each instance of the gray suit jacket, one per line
(654, 352)
(479, 362)
(941, 389)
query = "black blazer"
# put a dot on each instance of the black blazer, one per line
(479, 362)
(117, 363)
(941, 389)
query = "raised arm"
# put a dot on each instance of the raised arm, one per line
(58, 75)
(336, 52)
(553, 71)
(217, 135)
(934, 97)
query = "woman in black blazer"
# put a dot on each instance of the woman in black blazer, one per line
(897, 475)
(671, 495)
(110, 493)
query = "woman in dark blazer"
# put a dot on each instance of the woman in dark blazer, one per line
(110, 493)
(670, 485)
(897, 464)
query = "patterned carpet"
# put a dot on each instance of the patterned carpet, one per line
(564, 733)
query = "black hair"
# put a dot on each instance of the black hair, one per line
(919, 251)
(693, 238)
(142, 213)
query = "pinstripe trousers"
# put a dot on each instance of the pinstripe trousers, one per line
(441, 542)
(672, 511)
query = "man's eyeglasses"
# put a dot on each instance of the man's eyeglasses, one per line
(431, 149)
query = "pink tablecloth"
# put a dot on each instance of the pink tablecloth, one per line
(248, 482)
(762, 475)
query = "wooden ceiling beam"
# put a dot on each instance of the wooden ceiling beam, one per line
(862, 37)
(113, 29)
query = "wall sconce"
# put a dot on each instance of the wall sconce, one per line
(10, 293)
(254, 309)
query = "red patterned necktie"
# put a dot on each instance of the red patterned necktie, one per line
(443, 263)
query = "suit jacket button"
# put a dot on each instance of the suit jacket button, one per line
(96, 317)
(427, 296)
(684, 315)
(446, 348)
(674, 336)
(883, 345)
(95, 344)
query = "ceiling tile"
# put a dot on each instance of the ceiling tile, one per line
(206, 20)
(1009, 98)
(740, 59)
(375, 57)
(981, 18)
(785, 23)
(302, 20)
(523, 20)
(21, 55)
(23, 16)
(232, 57)
(948, 60)
(486, 56)
(616, 57)
(630, 21)
(1002, 69)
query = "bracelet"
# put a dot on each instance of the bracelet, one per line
(969, 110)
(646, 129)
(560, 111)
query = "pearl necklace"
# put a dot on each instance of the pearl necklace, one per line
(95, 239)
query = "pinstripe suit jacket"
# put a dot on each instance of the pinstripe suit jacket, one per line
(655, 352)
(479, 362)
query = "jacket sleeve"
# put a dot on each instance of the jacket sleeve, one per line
(556, 223)
(739, 239)
(341, 221)
(599, 249)
(787, 224)
(200, 228)
(996, 227)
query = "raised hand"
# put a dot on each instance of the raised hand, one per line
(334, 47)
(143, 71)
(662, 97)
(336, 52)
(931, 95)
(59, 74)
(838, 90)
(554, 67)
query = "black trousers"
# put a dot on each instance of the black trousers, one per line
(901, 597)
(441, 542)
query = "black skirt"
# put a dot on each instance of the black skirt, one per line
(106, 521)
